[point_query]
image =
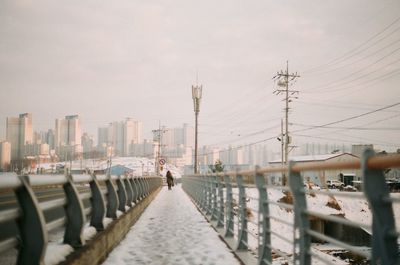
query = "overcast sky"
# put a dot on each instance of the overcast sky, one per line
(107, 60)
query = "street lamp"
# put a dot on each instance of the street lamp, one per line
(196, 95)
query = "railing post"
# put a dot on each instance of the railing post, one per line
(214, 208)
(138, 194)
(203, 192)
(229, 208)
(32, 226)
(242, 215)
(302, 240)
(384, 237)
(141, 190)
(209, 195)
(112, 199)
(264, 224)
(121, 194)
(147, 185)
(134, 190)
(76, 218)
(129, 192)
(98, 205)
(221, 209)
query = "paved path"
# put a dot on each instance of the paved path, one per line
(172, 231)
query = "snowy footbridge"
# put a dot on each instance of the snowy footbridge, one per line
(259, 222)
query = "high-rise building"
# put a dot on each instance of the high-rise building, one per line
(19, 133)
(5, 155)
(102, 136)
(121, 135)
(68, 137)
(133, 134)
(116, 137)
(87, 145)
(68, 131)
(173, 137)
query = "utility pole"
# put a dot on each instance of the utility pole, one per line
(196, 96)
(283, 83)
(159, 139)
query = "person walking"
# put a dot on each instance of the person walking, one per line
(170, 180)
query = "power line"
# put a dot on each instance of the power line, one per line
(342, 81)
(346, 54)
(350, 118)
(352, 128)
(367, 56)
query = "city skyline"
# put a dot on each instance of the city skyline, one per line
(109, 61)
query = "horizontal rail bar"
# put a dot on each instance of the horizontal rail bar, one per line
(101, 177)
(8, 244)
(338, 243)
(318, 257)
(56, 224)
(339, 220)
(9, 181)
(9, 215)
(280, 220)
(280, 237)
(47, 180)
(355, 195)
(81, 178)
(48, 205)
(85, 196)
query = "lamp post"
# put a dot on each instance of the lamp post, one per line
(196, 95)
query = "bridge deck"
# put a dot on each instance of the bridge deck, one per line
(171, 231)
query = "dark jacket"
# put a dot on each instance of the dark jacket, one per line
(170, 179)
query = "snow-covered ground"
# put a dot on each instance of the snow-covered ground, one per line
(139, 165)
(171, 231)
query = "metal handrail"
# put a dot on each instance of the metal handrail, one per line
(205, 190)
(32, 225)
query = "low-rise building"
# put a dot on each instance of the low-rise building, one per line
(320, 177)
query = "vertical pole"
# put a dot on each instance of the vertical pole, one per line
(264, 225)
(221, 209)
(284, 180)
(195, 141)
(282, 154)
(214, 208)
(384, 236)
(302, 239)
(229, 207)
(242, 215)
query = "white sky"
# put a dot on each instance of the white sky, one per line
(107, 60)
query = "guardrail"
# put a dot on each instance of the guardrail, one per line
(263, 223)
(109, 196)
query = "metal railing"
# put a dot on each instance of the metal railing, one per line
(81, 196)
(263, 223)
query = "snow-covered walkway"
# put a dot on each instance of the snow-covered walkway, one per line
(171, 231)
